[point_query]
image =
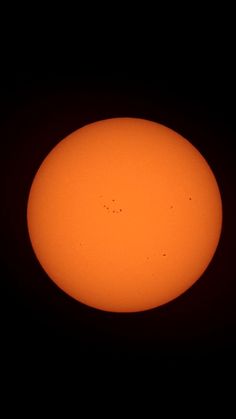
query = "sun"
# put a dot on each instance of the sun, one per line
(124, 214)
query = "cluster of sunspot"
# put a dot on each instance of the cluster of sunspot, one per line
(112, 208)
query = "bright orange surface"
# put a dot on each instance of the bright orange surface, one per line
(124, 214)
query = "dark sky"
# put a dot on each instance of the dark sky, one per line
(39, 107)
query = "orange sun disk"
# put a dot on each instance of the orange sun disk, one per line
(124, 214)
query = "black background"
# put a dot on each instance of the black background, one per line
(193, 94)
